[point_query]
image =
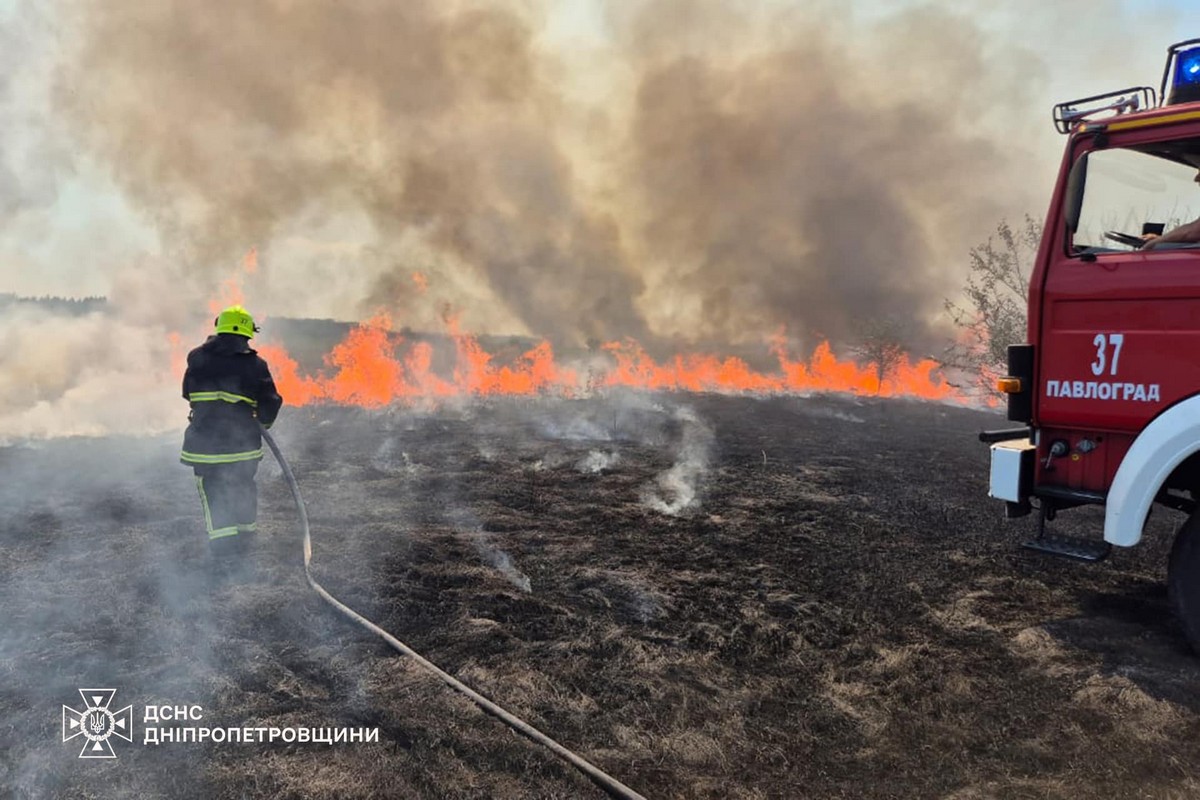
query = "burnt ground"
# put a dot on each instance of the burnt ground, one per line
(838, 612)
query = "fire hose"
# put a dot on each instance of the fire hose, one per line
(602, 779)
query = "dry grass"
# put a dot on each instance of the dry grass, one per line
(847, 617)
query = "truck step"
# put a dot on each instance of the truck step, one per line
(1070, 547)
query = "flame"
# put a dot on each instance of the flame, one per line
(375, 367)
(299, 390)
(533, 372)
(692, 372)
(826, 372)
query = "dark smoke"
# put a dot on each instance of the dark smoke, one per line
(746, 167)
(816, 181)
(229, 120)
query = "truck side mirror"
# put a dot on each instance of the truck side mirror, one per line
(1075, 182)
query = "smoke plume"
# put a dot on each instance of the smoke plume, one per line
(242, 125)
(685, 172)
(740, 169)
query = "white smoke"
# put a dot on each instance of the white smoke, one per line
(501, 561)
(677, 489)
(597, 461)
(575, 428)
(91, 375)
(391, 459)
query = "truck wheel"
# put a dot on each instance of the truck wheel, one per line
(1183, 578)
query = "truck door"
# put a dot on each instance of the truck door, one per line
(1120, 327)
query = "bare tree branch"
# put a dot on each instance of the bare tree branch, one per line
(991, 314)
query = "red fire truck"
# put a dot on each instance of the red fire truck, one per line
(1108, 384)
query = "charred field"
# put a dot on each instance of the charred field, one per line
(706, 596)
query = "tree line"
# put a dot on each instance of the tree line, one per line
(65, 305)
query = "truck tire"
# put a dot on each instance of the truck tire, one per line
(1183, 579)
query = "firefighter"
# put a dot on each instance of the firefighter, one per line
(1187, 233)
(230, 391)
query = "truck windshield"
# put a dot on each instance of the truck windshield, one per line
(1134, 192)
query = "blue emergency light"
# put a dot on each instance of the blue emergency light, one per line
(1181, 79)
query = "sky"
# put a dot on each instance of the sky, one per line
(70, 222)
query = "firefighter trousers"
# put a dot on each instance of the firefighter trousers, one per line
(229, 497)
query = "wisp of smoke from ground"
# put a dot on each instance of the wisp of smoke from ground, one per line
(460, 514)
(598, 461)
(678, 489)
(500, 560)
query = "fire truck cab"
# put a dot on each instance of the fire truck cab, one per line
(1108, 383)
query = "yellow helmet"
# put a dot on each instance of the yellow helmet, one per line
(236, 319)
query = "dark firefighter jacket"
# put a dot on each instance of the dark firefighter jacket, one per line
(231, 391)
